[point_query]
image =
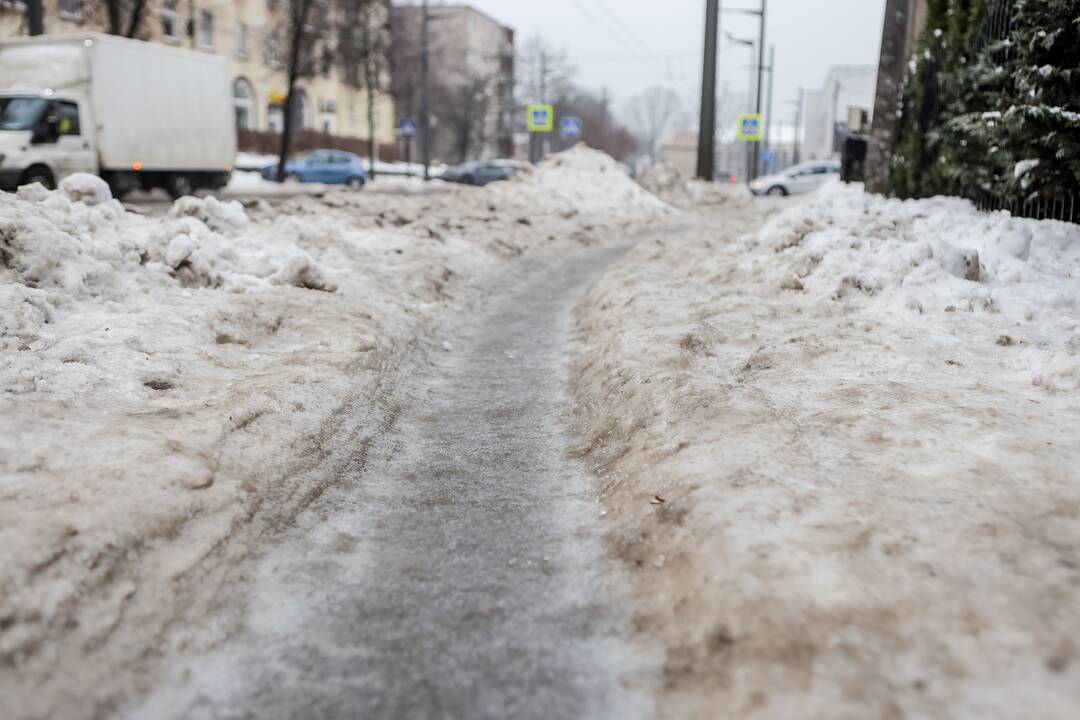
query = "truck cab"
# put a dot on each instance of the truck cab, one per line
(44, 136)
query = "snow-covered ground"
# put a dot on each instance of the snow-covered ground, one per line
(840, 448)
(842, 453)
(175, 389)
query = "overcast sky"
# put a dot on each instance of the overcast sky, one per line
(626, 45)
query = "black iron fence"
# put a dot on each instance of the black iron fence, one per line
(996, 30)
(1066, 209)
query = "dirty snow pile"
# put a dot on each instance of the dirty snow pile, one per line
(841, 455)
(934, 258)
(670, 184)
(581, 180)
(175, 388)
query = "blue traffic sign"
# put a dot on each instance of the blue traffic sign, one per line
(570, 128)
(407, 129)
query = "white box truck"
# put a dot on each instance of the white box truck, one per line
(141, 115)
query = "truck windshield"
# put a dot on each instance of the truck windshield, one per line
(21, 113)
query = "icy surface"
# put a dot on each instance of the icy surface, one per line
(462, 569)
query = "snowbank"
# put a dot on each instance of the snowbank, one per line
(841, 457)
(175, 389)
(934, 258)
(580, 180)
(667, 182)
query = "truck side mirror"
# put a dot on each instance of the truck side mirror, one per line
(48, 130)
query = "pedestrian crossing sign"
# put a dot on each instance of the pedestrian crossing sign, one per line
(540, 118)
(751, 127)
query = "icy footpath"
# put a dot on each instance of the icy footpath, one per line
(175, 389)
(841, 452)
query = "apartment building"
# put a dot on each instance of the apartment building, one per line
(472, 79)
(332, 96)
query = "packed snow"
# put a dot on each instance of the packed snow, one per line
(840, 451)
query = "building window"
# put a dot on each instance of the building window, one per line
(206, 28)
(273, 58)
(170, 21)
(241, 40)
(71, 9)
(275, 118)
(301, 110)
(244, 104)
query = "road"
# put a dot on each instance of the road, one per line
(462, 574)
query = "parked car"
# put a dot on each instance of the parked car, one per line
(481, 173)
(797, 179)
(330, 167)
(127, 110)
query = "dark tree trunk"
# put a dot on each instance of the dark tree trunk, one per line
(112, 9)
(137, 8)
(299, 11)
(370, 75)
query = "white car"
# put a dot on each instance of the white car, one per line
(797, 179)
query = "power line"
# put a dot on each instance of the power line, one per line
(607, 28)
(621, 24)
(641, 57)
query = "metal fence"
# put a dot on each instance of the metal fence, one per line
(1066, 208)
(996, 28)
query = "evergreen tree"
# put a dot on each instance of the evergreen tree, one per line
(992, 115)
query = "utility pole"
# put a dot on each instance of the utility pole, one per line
(35, 20)
(707, 128)
(798, 126)
(768, 107)
(425, 93)
(757, 105)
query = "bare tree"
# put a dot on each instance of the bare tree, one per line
(119, 17)
(542, 71)
(651, 113)
(363, 48)
(302, 38)
(467, 115)
(599, 129)
(357, 51)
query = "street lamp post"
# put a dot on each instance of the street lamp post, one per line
(760, 71)
(749, 92)
(757, 105)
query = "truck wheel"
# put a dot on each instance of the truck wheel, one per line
(179, 185)
(38, 174)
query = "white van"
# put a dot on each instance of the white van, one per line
(139, 114)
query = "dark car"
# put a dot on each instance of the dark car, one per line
(331, 167)
(481, 172)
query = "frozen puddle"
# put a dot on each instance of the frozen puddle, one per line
(462, 575)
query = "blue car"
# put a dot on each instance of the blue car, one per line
(330, 167)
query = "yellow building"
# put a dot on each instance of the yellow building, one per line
(332, 95)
